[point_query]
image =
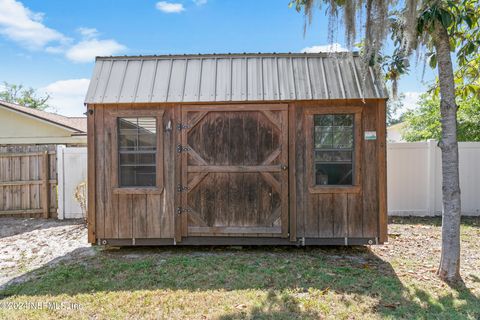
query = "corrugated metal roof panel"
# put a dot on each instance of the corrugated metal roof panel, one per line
(192, 80)
(254, 79)
(95, 78)
(347, 77)
(207, 80)
(301, 77)
(223, 81)
(239, 80)
(145, 81)
(231, 77)
(285, 78)
(103, 77)
(162, 80)
(131, 80)
(177, 80)
(270, 79)
(115, 80)
(319, 89)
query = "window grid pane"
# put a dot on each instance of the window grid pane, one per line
(333, 149)
(137, 145)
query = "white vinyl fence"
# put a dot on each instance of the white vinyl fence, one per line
(414, 178)
(72, 171)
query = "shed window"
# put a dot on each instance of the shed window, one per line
(333, 149)
(137, 147)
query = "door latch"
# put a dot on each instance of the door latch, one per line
(181, 188)
(180, 210)
(181, 149)
(181, 126)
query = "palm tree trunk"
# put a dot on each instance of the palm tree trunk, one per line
(449, 269)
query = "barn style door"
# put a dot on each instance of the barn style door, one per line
(234, 170)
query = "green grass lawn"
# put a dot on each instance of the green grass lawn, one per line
(392, 281)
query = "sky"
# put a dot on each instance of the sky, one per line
(51, 45)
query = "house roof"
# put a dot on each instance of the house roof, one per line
(397, 126)
(76, 124)
(232, 77)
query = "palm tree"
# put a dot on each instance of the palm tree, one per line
(414, 24)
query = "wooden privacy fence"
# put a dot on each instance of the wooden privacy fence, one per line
(28, 184)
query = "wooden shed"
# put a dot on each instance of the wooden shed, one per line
(278, 149)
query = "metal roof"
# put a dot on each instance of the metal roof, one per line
(231, 77)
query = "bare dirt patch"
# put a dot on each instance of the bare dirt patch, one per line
(28, 244)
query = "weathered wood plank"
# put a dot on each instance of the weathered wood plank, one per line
(139, 209)
(125, 217)
(265, 190)
(222, 158)
(355, 215)
(183, 159)
(111, 174)
(91, 175)
(340, 215)
(26, 182)
(382, 172)
(326, 212)
(301, 183)
(283, 141)
(153, 215)
(100, 176)
(45, 186)
(174, 172)
(236, 150)
(234, 230)
(170, 172)
(208, 186)
(250, 157)
(292, 173)
(231, 169)
(370, 175)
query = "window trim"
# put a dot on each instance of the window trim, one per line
(357, 146)
(159, 163)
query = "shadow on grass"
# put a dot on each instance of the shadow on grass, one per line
(290, 277)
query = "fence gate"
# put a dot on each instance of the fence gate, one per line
(28, 181)
(72, 174)
(234, 170)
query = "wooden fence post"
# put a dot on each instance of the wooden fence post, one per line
(46, 185)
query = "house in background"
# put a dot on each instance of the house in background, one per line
(26, 126)
(394, 132)
(36, 157)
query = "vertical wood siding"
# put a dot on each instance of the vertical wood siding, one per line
(135, 214)
(221, 200)
(340, 214)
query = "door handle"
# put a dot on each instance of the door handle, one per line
(284, 167)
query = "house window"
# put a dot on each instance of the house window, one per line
(333, 149)
(137, 148)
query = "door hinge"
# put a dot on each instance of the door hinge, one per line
(180, 210)
(181, 126)
(181, 149)
(181, 188)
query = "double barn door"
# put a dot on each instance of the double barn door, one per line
(233, 171)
